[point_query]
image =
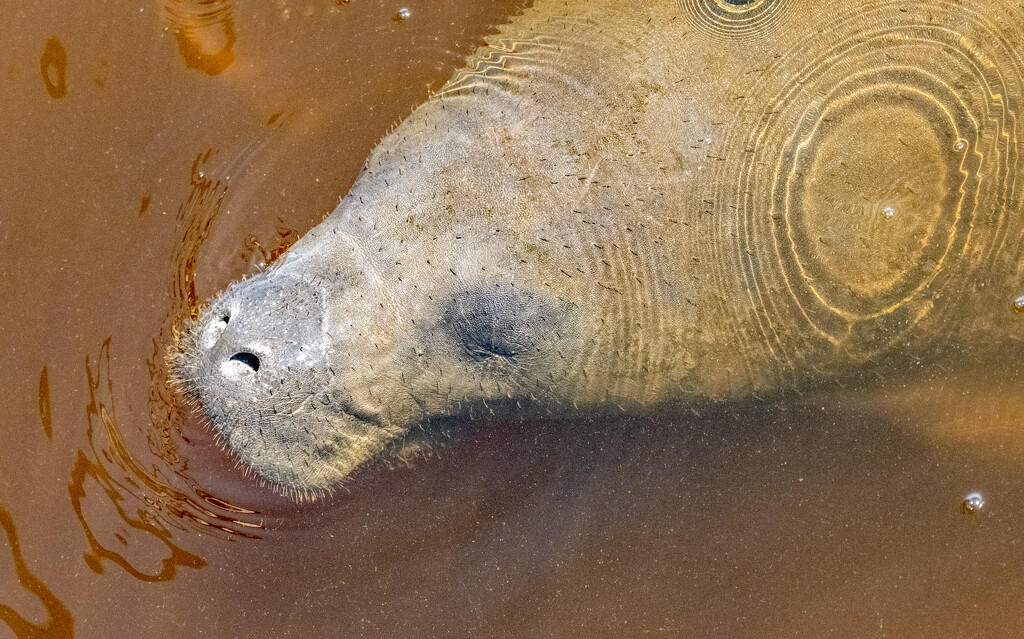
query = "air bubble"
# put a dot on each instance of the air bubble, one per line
(889, 212)
(403, 14)
(1018, 304)
(960, 145)
(972, 504)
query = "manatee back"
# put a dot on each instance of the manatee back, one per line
(868, 172)
(801, 186)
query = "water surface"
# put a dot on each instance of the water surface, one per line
(153, 153)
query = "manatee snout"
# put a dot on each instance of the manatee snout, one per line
(259, 363)
(260, 338)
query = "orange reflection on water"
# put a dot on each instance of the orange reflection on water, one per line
(194, 219)
(59, 623)
(205, 32)
(143, 498)
(285, 238)
(152, 490)
(45, 412)
(54, 66)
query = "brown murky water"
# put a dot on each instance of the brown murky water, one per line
(155, 152)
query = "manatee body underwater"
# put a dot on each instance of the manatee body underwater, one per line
(635, 206)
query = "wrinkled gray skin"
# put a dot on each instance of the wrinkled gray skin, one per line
(547, 235)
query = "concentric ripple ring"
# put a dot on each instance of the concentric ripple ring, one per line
(736, 19)
(866, 175)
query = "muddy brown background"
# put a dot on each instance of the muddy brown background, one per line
(152, 153)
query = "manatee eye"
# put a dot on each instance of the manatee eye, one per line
(485, 337)
(492, 323)
(215, 329)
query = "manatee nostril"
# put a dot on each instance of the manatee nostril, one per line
(248, 359)
(215, 329)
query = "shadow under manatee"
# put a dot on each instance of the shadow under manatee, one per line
(806, 518)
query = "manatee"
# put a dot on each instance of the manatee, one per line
(638, 207)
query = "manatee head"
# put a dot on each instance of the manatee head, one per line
(356, 347)
(489, 261)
